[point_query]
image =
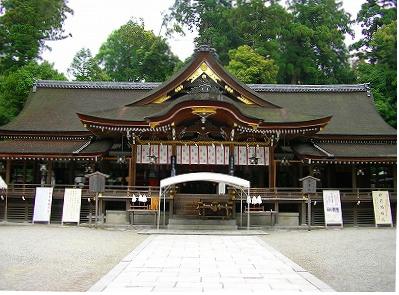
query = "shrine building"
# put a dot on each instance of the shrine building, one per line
(202, 119)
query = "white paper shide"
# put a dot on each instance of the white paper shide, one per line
(332, 207)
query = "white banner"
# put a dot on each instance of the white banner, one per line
(382, 208)
(72, 201)
(3, 184)
(203, 154)
(43, 200)
(332, 207)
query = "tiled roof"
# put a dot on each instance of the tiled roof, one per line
(152, 85)
(55, 104)
(346, 150)
(96, 85)
(54, 147)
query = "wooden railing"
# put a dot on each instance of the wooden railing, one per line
(347, 194)
(111, 191)
(267, 194)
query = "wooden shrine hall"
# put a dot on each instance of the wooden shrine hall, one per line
(202, 119)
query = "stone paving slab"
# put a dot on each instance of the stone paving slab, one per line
(242, 232)
(211, 263)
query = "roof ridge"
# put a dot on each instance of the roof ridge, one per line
(310, 88)
(94, 85)
(151, 85)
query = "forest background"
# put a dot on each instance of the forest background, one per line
(258, 41)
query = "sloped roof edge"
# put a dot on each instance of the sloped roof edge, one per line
(152, 85)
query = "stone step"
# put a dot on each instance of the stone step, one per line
(197, 221)
(209, 227)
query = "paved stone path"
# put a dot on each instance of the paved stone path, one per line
(193, 263)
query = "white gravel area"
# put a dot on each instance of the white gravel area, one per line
(349, 259)
(60, 258)
(69, 258)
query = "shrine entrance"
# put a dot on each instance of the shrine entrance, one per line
(219, 205)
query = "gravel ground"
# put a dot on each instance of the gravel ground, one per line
(350, 260)
(57, 258)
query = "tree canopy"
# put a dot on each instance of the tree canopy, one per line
(24, 28)
(306, 41)
(16, 86)
(377, 54)
(251, 67)
(84, 67)
(132, 53)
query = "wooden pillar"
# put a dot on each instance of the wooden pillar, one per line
(272, 168)
(49, 171)
(354, 180)
(132, 166)
(329, 167)
(24, 172)
(8, 171)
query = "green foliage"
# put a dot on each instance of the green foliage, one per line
(16, 86)
(382, 73)
(306, 42)
(133, 54)
(85, 68)
(315, 51)
(373, 15)
(251, 67)
(24, 27)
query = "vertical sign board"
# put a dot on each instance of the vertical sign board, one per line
(43, 200)
(71, 208)
(382, 208)
(332, 208)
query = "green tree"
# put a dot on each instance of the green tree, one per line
(382, 73)
(25, 25)
(373, 15)
(16, 86)
(85, 68)
(306, 42)
(315, 51)
(133, 54)
(251, 67)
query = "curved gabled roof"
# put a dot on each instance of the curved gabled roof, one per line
(203, 61)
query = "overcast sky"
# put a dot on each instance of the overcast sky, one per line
(94, 20)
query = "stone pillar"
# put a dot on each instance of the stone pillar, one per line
(303, 213)
(276, 209)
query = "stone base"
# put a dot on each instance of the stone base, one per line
(264, 218)
(288, 219)
(116, 217)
